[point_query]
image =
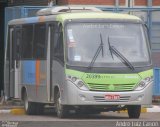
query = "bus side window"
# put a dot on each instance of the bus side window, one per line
(58, 50)
(27, 40)
(60, 47)
(17, 43)
(8, 43)
(39, 45)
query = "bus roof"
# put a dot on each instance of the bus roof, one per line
(96, 15)
(75, 15)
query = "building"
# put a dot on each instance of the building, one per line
(149, 10)
(144, 8)
(84, 2)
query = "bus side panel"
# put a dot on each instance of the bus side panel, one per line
(6, 67)
(34, 79)
(58, 79)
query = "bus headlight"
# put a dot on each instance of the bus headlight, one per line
(143, 83)
(78, 82)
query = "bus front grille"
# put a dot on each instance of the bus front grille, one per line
(111, 87)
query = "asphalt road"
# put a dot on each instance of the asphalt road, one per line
(108, 119)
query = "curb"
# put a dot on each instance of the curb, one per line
(154, 108)
(143, 110)
(21, 111)
(18, 111)
(15, 111)
(5, 111)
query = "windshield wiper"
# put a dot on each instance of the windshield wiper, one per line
(119, 55)
(97, 53)
(110, 49)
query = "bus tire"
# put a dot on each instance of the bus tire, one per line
(134, 111)
(30, 107)
(61, 110)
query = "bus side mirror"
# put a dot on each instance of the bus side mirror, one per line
(59, 27)
(146, 27)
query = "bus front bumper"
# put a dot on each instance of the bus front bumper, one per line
(74, 96)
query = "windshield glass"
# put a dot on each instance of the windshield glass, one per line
(84, 39)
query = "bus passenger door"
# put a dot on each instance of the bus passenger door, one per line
(17, 61)
(15, 35)
(11, 64)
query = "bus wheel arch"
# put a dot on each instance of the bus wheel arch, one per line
(56, 90)
(60, 109)
(30, 107)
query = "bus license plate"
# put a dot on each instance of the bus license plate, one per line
(112, 97)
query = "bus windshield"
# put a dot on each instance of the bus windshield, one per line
(90, 44)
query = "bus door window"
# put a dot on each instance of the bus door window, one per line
(18, 35)
(60, 44)
(54, 37)
(58, 51)
(11, 48)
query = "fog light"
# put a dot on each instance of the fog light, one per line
(74, 79)
(82, 97)
(142, 84)
(140, 97)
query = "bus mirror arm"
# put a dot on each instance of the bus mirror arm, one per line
(146, 27)
(147, 30)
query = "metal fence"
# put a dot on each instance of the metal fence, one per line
(20, 12)
(156, 86)
(149, 15)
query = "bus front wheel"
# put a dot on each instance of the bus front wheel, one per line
(134, 111)
(61, 110)
(29, 106)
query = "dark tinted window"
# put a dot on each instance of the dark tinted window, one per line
(8, 43)
(57, 41)
(59, 47)
(27, 41)
(17, 42)
(34, 41)
(39, 46)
